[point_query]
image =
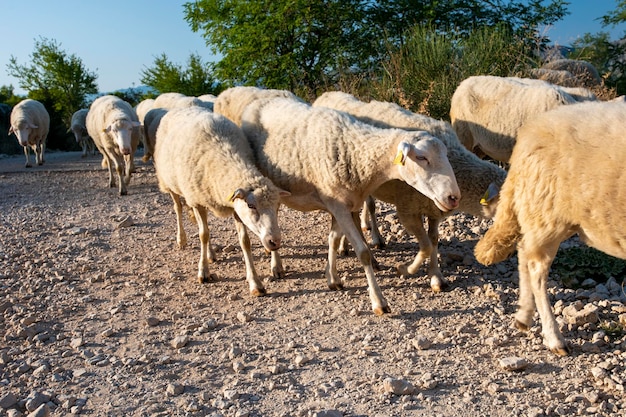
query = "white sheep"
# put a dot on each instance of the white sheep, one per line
(564, 178)
(330, 161)
(78, 126)
(486, 111)
(142, 108)
(232, 101)
(208, 100)
(113, 125)
(30, 122)
(205, 159)
(151, 122)
(584, 72)
(474, 176)
(177, 100)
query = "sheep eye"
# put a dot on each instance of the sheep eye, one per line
(251, 206)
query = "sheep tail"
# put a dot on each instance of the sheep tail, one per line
(501, 239)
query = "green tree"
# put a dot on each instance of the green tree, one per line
(617, 16)
(306, 45)
(56, 77)
(193, 80)
(299, 45)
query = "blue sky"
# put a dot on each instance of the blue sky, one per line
(118, 39)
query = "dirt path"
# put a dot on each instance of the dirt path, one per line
(101, 314)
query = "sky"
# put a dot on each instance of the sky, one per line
(118, 39)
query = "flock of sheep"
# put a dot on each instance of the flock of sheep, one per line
(249, 150)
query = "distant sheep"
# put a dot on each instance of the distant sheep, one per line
(208, 100)
(565, 178)
(177, 100)
(232, 101)
(330, 161)
(205, 159)
(78, 126)
(151, 122)
(584, 72)
(30, 122)
(487, 111)
(141, 109)
(474, 177)
(113, 125)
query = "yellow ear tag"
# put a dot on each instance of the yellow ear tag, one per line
(485, 200)
(232, 197)
(399, 159)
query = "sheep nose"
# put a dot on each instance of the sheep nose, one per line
(273, 244)
(125, 151)
(453, 201)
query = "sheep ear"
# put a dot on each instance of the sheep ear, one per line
(403, 150)
(11, 130)
(284, 193)
(238, 193)
(492, 192)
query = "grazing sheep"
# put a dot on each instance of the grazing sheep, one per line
(487, 111)
(151, 122)
(565, 178)
(232, 101)
(330, 161)
(30, 122)
(474, 177)
(78, 127)
(584, 72)
(113, 125)
(205, 159)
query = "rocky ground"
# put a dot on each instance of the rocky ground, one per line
(101, 314)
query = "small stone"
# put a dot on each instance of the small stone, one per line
(301, 360)
(175, 389)
(8, 400)
(180, 341)
(42, 411)
(243, 317)
(152, 321)
(231, 394)
(126, 222)
(513, 363)
(238, 366)
(421, 343)
(107, 333)
(398, 386)
(76, 342)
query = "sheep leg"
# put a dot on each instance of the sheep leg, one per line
(128, 168)
(334, 239)
(369, 213)
(343, 246)
(119, 169)
(344, 219)
(437, 281)
(27, 154)
(278, 271)
(255, 284)
(415, 225)
(39, 149)
(204, 275)
(534, 274)
(181, 236)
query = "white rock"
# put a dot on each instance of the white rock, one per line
(513, 363)
(398, 386)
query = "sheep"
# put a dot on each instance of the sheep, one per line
(113, 125)
(584, 72)
(151, 122)
(79, 128)
(30, 122)
(474, 176)
(564, 178)
(330, 161)
(205, 159)
(175, 100)
(232, 101)
(487, 111)
(208, 100)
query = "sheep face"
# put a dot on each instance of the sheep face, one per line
(424, 165)
(121, 131)
(258, 210)
(23, 131)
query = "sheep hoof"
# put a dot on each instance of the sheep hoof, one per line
(203, 279)
(379, 245)
(338, 286)
(278, 274)
(560, 351)
(258, 292)
(379, 311)
(521, 326)
(28, 166)
(402, 270)
(375, 265)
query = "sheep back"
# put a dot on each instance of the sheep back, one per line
(232, 101)
(487, 111)
(204, 157)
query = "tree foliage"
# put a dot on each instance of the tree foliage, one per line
(55, 76)
(193, 80)
(307, 45)
(616, 16)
